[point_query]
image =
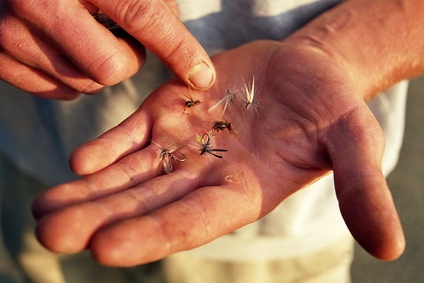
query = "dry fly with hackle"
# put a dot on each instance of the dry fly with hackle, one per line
(166, 156)
(229, 97)
(189, 102)
(249, 91)
(206, 145)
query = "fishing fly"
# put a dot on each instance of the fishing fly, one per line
(167, 155)
(206, 147)
(189, 102)
(251, 102)
(221, 126)
(229, 97)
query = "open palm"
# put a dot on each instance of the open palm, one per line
(304, 120)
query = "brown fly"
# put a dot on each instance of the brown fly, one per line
(189, 102)
(221, 126)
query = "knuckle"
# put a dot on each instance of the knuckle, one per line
(142, 14)
(177, 52)
(152, 19)
(107, 70)
(114, 66)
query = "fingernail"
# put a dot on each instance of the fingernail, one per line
(201, 76)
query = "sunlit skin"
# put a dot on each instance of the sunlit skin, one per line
(62, 57)
(312, 120)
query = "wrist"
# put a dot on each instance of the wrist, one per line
(378, 43)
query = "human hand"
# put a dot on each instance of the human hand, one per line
(308, 119)
(57, 49)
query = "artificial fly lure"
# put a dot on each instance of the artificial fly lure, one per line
(251, 102)
(189, 102)
(166, 156)
(205, 142)
(221, 126)
(229, 97)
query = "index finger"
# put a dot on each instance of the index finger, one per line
(155, 24)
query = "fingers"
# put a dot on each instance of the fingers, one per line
(31, 51)
(134, 132)
(364, 197)
(127, 137)
(132, 159)
(64, 41)
(155, 24)
(127, 173)
(70, 229)
(187, 223)
(162, 215)
(33, 81)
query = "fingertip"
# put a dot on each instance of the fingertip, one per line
(128, 243)
(39, 207)
(202, 76)
(394, 250)
(76, 164)
(86, 160)
(114, 249)
(371, 217)
(385, 247)
(70, 229)
(45, 237)
(57, 236)
(56, 198)
(104, 251)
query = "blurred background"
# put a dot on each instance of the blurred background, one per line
(407, 186)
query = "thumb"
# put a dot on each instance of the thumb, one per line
(364, 197)
(156, 26)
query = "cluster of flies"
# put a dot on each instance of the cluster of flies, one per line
(169, 154)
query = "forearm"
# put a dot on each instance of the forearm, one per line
(378, 42)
